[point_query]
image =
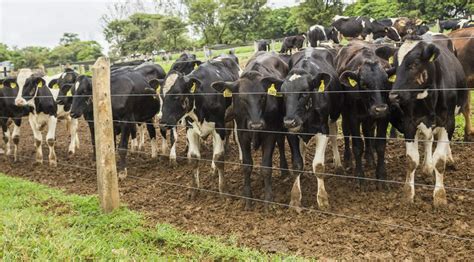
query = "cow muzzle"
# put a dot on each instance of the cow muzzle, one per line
(394, 98)
(259, 125)
(20, 102)
(292, 124)
(379, 111)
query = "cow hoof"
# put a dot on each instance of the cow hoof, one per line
(193, 194)
(173, 163)
(407, 194)
(70, 153)
(53, 163)
(248, 205)
(38, 163)
(323, 202)
(451, 166)
(295, 207)
(428, 170)
(382, 186)
(122, 174)
(339, 170)
(440, 198)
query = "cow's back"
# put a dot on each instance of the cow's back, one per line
(463, 41)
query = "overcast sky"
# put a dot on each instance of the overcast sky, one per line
(42, 22)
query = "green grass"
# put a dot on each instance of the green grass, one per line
(39, 223)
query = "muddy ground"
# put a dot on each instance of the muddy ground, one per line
(336, 234)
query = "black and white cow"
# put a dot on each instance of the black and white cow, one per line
(192, 98)
(292, 42)
(319, 33)
(429, 90)
(10, 113)
(258, 111)
(365, 28)
(311, 109)
(133, 101)
(35, 95)
(363, 76)
(263, 45)
(454, 24)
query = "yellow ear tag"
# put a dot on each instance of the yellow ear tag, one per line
(392, 78)
(193, 88)
(227, 93)
(158, 89)
(13, 85)
(273, 91)
(432, 58)
(390, 60)
(352, 82)
(69, 93)
(55, 86)
(322, 86)
(40, 85)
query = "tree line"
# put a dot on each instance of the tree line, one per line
(131, 26)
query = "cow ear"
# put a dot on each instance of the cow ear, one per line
(349, 79)
(386, 53)
(192, 84)
(196, 63)
(10, 83)
(391, 74)
(156, 84)
(320, 82)
(39, 82)
(53, 84)
(226, 88)
(430, 53)
(268, 82)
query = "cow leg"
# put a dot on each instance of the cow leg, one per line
(152, 133)
(16, 138)
(141, 142)
(173, 141)
(74, 137)
(413, 160)
(6, 137)
(439, 159)
(51, 139)
(283, 162)
(297, 160)
(467, 116)
(126, 130)
(194, 156)
(368, 130)
(91, 130)
(347, 140)
(266, 169)
(218, 140)
(38, 138)
(380, 144)
(245, 142)
(319, 169)
(134, 142)
(428, 166)
(358, 150)
(335, 150)
(164, 143)
(237, 141)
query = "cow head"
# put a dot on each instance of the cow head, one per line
(30, 90)
(299, 90)
(250, 94)
(392, 33)
(177, 92)
(414, 72)
(185, 64)
(65, 83)
(82, 96)
(334, 35)
(368, 85)
(10, 88)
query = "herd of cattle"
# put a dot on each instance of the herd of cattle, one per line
(417, 86)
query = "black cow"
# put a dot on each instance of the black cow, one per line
(9, 112)
(133, 100)
(263, 45)
(186, 63)
(258, 108)
(310, 109)
(366, 28)
(38, 99)
(363, 77)
(192, 98)
(292, 42)
(319, 33)
(429, 90)
(454, 24)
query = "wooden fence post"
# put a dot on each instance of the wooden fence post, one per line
(107, 181)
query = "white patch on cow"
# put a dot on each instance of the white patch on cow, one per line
(236, 134)
(405, 49)
(302, 147)
(154, 148)
(422, 95)
(294, 77)
(218, 149)
(173, 146)
(396, 31)
(457, 109)
(164, 146)
(393, 20)
(337, 17)
(362, 23)
(16, 133)
(369, 37)
(52, 122)
(6, 136)
(439, 158)
(169, 82)
(427, 135)
(462, 22)
(206, 128)
(76, 86)
(321, 143)
(74, 136)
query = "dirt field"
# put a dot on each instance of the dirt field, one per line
(311, 233)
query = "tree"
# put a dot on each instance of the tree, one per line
(69, 38)
(4, 52)
(276, 23)
(313, 12)
(203, 16)
(32, 56)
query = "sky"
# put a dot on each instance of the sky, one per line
(42, 22)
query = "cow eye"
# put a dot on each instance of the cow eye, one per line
(32, 92)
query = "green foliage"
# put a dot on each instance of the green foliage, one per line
(313, 12)
(375, 9)
(69, 38)
(4, 52)
(32, 56)
(38, 223)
